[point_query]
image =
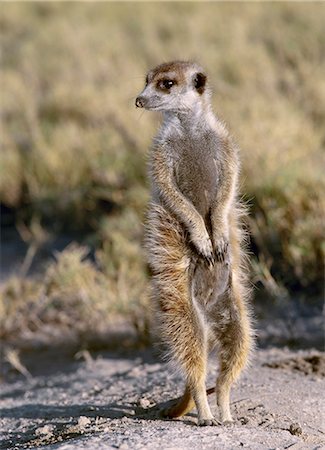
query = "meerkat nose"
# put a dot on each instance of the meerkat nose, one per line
(139, 103)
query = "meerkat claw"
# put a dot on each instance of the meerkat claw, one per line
(207, 422)
(221, 250)
(210, 260)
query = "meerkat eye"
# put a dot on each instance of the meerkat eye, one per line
(166, 84)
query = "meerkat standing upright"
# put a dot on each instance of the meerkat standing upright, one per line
(194, 235)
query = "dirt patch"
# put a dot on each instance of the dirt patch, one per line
(114, 400)
(308, 365)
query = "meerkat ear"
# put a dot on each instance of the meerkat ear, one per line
(199, 82)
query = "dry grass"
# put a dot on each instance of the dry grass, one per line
(76, 300)
(74, 147)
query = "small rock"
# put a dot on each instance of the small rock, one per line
(83, 422)
(124, 445)
(137, 371)
(153, 368)
(45, 431)
(144, 402)
(295, 429)
(244, 420)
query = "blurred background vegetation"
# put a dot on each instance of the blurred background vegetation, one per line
(73, 154)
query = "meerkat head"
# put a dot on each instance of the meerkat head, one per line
(176, 86)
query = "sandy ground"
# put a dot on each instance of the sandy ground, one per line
(112, 400)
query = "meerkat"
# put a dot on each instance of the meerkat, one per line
(194, 236)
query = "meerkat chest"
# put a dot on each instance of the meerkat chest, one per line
(196, 171)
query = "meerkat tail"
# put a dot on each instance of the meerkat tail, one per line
(183, 404)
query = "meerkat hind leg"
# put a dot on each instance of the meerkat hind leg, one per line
(188, 346)
(234, 344)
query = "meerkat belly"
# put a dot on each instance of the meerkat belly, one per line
(196, 178)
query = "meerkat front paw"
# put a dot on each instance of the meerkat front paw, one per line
(203, 244)
(221, 248)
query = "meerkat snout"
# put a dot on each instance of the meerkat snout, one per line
(139, 102)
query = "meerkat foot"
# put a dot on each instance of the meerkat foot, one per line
(225, 415)
(227, 422)
(207, 422)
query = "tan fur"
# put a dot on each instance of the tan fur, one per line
(194, 239)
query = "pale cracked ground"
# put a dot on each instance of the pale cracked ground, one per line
(112, 401)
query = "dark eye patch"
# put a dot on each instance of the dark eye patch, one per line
(199, 82)
(166, 84)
